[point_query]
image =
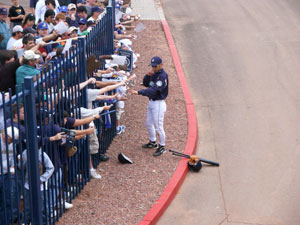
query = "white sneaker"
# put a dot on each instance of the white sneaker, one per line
(73, 188)
(121, 129)
(79, 176)
(53, 214)
(94, 174)
(68, 205)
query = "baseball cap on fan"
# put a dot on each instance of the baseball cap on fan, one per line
(63, 9)
(43, 26)
(29, 30)
(81, 1)
(73, 29)
(30, 55)
(3, 11)
(82, 21)
(71, 6)
(155, 61)
(17, 28)
(96, 9)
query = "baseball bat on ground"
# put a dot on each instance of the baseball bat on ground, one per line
(188, 156)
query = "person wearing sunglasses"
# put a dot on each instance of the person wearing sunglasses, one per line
(82, 26)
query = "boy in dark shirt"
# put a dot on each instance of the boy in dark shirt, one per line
(9, 63)
(16, 13)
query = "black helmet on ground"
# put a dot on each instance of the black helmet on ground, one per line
(196, 166)
(124, 159)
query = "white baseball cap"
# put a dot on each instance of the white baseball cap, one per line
(71, 6)
(73, 28)
(30, 55)
(17, 28)
(9, 132)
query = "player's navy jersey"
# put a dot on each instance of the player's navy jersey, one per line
(157, 86)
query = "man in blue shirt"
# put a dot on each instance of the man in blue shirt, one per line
(28, 68)
(4, 29)
(157, 85)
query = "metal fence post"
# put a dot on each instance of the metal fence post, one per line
(110, 32)
(82, 66)
(32, 152)
(113, 4)
(83, 77)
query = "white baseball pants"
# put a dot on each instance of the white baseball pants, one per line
(155, 120)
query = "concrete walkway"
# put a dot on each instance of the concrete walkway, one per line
(241, 59)
(146, 8)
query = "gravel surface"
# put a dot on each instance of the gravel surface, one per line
(126, 192)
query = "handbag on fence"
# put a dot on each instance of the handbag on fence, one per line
(71, 151)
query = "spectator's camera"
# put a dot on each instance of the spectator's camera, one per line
(68, 142)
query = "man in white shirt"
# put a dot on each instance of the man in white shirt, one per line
(49, 18)
(42, 6)
(17, 33)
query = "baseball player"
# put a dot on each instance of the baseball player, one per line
(157, 85)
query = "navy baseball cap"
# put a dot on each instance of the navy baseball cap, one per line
(96, 9)
(82, 21)
(91, 22)
(29, 30)
(63, 9)
(3, 11)
(155, 61)
(81, 1)
(43, 26)
(30, 17)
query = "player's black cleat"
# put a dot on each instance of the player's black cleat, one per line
(160, 150)
(150, 144)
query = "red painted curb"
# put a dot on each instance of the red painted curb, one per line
(179, 175)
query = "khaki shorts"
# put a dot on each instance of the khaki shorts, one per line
(94, 144)
(119, 112)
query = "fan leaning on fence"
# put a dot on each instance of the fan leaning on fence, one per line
(46, 171)
(89, 114)
(93, 95)
(28, 68)
(7, 180)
